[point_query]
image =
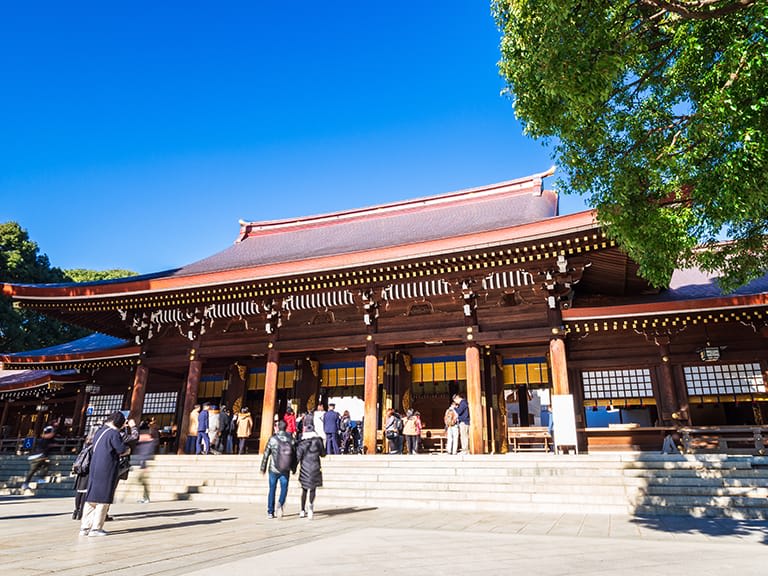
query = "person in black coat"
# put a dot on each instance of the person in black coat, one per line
(308, 453)
(108, 446)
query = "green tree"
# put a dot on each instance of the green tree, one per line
(657, 112)
(83, 275)
(21, 263)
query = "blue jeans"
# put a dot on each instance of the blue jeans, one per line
(202, 438)
(273, 478)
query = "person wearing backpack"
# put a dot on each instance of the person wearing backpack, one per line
(393, 431)
(280, 454)
(451, 421)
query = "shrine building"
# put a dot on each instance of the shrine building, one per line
(487, 292)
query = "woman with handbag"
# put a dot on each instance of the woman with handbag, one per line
(108, 446)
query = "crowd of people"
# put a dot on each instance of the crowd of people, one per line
(297, 445)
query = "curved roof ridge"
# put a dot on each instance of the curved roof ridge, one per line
(515, 186)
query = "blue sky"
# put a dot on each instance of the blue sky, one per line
(135, 135)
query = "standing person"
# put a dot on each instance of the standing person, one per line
(331, 429)
(393, 427)
(108, 446)
(81, 478)
(190, 446)
(309, 452)
(451, 421)
(410, 432)
(38, 462)
(346, 433)
(462, 411)
(214, 429)
(318, 416)
(244, 428)
(280, 454)
(203, 441)
(145, 450)
(225, 440)
(290, 421)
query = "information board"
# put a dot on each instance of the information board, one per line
(564, 417)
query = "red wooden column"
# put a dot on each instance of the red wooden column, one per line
(474, 399)
(140, 378)
(190, 399)
(270, 399)
(559, 367)
(371, 397)
(669, 402)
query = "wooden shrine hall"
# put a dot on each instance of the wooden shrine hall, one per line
(487, 292)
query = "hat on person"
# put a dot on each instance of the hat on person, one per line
(48, 430)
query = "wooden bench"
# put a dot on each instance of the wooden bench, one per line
(433, 440)
(529, 438)
(724, 438)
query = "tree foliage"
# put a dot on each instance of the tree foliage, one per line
(657, 111)
(83, 275)
(21, 263)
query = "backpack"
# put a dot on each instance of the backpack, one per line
(399, 424)
(82, 463)
(450, 417)
(344, 424)
(284, 458)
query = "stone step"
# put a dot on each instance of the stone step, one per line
(746, 491)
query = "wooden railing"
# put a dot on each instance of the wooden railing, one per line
(751, 439)
(27, 445)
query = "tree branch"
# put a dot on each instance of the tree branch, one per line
(699, 9)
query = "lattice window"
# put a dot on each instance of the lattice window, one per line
(614, 384)
(160, 402)
(724, 379)
(100, 407)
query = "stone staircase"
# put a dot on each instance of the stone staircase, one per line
(711, 485)
(610, 483)
(57, 482)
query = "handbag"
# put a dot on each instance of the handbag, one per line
(82, 463)
(123, 467)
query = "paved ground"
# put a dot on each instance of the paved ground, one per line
(38, 536)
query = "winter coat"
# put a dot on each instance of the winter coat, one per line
(244, 425)
(309, 452)
(193, 416)
(290, 422)
(462, 411)
(102, 476)
(410, 427)
(202, 422)
(271, 451)
(331, 422)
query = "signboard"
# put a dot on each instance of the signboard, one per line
(564, 417)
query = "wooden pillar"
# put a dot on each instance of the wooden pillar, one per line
(270, 399)
(140, 378)
(77, 412)
(4, 417)
(668, 400)
(559, 367)
(190, 399)
(370, 423)
(474, 399)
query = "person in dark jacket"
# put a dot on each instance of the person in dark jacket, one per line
(108, 446)
(273, 456)
(203, 440)
(331, 428)
(308, 453)
(145, 450)
(39, 461)
(462, 411)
